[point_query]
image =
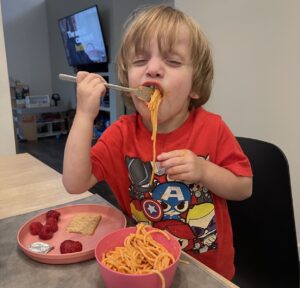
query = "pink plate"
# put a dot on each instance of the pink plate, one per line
(112, 219)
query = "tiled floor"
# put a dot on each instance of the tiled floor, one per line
(50, 151)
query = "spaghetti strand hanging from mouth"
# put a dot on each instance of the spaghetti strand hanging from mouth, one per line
(153, 106)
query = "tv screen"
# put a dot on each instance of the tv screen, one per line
(83, 38)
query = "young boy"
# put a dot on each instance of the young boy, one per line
(199, 162)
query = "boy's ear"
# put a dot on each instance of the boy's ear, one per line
(194, 95)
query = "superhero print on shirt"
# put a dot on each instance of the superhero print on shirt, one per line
(139, 174)
(186, 211)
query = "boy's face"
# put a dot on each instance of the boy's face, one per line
(172, 72)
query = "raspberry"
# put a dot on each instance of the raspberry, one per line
(70, 246)
(46, 232)
(53, 214)
(52, 223)
(35, 228)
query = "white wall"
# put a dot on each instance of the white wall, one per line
(27, 44)
(256, 46)
(7, 142)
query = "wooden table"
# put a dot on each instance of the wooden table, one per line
(27, 184)
(27, 187)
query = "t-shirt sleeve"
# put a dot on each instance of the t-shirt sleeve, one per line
(230, 154)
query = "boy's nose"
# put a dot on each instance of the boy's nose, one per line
(154, 68)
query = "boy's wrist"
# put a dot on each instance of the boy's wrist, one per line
(84, 117)
(203, 169)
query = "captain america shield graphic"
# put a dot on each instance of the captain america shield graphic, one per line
(152, 210)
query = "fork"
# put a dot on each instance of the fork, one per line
(143, 93)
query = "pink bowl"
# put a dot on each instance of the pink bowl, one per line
(113, 279)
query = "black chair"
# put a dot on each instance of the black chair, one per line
(266, 253)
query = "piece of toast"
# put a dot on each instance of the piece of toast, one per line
(85, 224)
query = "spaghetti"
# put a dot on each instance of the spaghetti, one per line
(153, 105)
(141, 254)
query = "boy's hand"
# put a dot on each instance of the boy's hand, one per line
(90, 88)
(182, 165)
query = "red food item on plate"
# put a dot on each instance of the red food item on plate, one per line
(35, 228)
(53, 213)
(70, 246)
(52, 222)
(46, 232)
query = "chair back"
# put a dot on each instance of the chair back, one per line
(266, 250)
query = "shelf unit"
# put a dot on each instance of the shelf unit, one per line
(50, 128)
(105, 104)
(34, 123)
(106, 114)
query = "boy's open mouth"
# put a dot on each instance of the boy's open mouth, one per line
(154, 86)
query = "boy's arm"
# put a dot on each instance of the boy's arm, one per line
(224, 183)
(77, 168)
(185, 166)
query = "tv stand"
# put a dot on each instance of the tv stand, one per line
(93, 68)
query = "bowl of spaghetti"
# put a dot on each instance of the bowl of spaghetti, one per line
(139, 256)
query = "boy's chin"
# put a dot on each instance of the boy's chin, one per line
(146, 118)
(144, 112)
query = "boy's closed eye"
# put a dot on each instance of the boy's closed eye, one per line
(173, 62)
(174, 59)
(139, 61)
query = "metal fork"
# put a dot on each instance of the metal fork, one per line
(143, 93)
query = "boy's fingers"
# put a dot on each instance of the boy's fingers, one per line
(92, 77)
(95, 82)
(171, 154)
(81, 75)
(98, 86)
(88, 77)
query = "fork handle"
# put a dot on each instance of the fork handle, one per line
(119, 88)
(71, 78)
(66, 77)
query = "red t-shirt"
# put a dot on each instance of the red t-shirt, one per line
(197, 217)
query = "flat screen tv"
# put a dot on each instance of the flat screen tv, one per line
(83, 40)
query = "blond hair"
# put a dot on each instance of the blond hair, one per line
(164, 22)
